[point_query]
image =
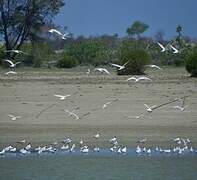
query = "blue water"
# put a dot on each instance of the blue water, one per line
(99, 166)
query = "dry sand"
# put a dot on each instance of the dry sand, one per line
(30, 94)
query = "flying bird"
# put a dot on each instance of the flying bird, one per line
(63, 36)
(138, 79)
(102, 70)
(11, 64)
(150, 108)
(175, 51)
(153, 66)
(163, 49)
(120, 66)
(62, 97)
(13, 118)
(106, 104)
(71, 114)
(96, 136)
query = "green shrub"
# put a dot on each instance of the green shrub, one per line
(87, 51)
(136, 57)
(26, 60)
(191, 63)
(2, 54)
(38, 53)
(41, 53)
(67, 61)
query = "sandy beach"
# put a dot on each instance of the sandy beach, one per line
(30, 94)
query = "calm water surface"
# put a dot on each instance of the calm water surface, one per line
(90, 167)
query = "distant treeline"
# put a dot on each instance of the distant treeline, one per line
(96, 51)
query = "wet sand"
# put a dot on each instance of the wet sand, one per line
(30, 94)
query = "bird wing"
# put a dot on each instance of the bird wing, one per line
(153, 66)
(161, 46)
(65, 36)
(77, 117)
(67, 111)
(10, 62)
(57, 95)
(157, 67)
(175, 50)
(116, 65)
(55, 31)
(131, 78)
(154, 106)
(11, 116)
(17, 63)
(105, 105)
(105, 70)
(125, 63)
(98, 69)
(10, 72)
(146, 106)
(145, 78)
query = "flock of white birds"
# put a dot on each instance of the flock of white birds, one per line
(67, 145)
(181, 146)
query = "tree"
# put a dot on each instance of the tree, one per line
(21, 19)
(137, 28)
(179, 29)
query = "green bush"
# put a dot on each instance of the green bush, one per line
(38, 53)
(2, 54)
(41, 53)
(26, 60)
(67, 61)
(136, 57)
(87, 51)
(191, 63)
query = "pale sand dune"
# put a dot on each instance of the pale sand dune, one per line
(30, 93)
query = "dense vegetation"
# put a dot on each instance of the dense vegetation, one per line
(191, 63)
(24, 26)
